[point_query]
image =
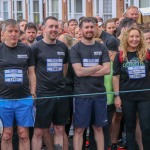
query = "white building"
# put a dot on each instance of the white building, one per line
(36, 10)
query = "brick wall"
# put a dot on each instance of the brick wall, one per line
(120, 8)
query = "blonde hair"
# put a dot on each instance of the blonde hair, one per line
(130, 7)
(141, 49)
(67, 38)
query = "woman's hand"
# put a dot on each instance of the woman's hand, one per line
(118, 102)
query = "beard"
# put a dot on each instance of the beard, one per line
(30, 40)
(88, 37)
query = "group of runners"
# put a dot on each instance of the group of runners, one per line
(85, 59)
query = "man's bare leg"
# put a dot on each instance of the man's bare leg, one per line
(37, 139)
(6, 143)
(78, 138)
(99, 137)
(48, 139)
(24, 142)
(58, 137)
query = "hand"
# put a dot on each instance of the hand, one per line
(118, 102)
(33, 96)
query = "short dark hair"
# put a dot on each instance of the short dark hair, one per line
(95, 19)
(22, 20)
(86, 19)
(9, 22)
(30, 25)
(49, 17)
(146, 30)
(72, 20)
(108, 21)
(81, 18)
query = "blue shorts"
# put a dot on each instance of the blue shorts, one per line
(90, 111)
(20, 110)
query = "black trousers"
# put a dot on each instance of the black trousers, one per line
(130, 108)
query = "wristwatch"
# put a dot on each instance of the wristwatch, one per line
(116, 94)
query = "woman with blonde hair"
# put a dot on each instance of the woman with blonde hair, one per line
(131, 74)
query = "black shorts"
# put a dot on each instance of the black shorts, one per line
(50, 110)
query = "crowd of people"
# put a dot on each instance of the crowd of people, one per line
(87, 73)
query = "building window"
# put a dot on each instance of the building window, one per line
(36, 15)
(129, 3)
(54, 8)
(126, 4)
(97, 7)
(0, 10)
(17, 10)
(144, 4)
(78, 9)
(35, 11)
(5, 4)
(107, 9)
(75, 9)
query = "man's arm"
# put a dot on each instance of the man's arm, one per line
(65, 69)
(103, 71)
(85, 71)
(32, 80)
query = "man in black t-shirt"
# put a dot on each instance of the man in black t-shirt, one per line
(110, 41)
(30, 31)
(51, 59)
(16, 76)
(91, 62)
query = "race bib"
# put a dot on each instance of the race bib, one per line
(90, 62)
(13, 75)
(54, 65)
(136, 72)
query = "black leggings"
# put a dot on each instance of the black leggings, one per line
(130, 108)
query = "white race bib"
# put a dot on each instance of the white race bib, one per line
(136, 72)
(90, 62)
(13, 75)
(54, 65)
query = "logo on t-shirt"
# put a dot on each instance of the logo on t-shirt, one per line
(90, 62)
(97, 53)
(135, 68)
(22, 56)
(60, 53)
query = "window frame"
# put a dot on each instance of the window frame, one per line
(73, 13)
(2, 9)
(15, 11)
(31, 12)
(101, 9)
(49, 11)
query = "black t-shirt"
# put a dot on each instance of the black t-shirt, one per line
(110, 41)
(89, 55)
(69, 78)
(14, 63)
(134, 75)
(49, 60)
